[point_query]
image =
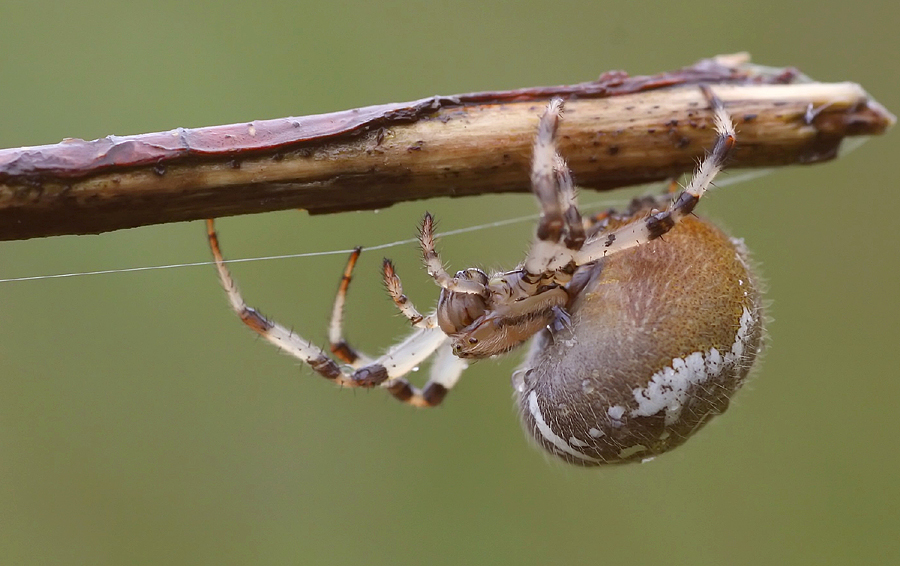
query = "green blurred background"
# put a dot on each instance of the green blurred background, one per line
(140, 423)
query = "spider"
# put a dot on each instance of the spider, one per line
(636, 340)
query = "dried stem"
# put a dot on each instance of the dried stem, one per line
(617, 131)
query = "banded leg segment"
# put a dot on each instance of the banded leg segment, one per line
(445, 372)
(575, 235)
(340, 348)
(656, 225)
(395, 290)
(436, 268)
(278, 335)
(545, 184)
(560, 230)
(397, 362)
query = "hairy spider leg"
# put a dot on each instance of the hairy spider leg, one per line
(340, 348)
(574, 222)
(445, 372)
(544, 183)
(436, 268)
(395, 290)
(658, 224)
(445, 368)
(560, 230)
(386, 371)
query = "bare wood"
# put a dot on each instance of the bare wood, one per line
(617, 131)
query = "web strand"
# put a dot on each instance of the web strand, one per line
(733, 179)
(394, 244)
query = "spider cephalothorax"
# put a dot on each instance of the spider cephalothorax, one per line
(637, 340)
(492, 316)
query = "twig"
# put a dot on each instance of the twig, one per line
(617, 131)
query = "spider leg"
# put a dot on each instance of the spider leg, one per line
(545, 183)
(339, 346)
(445, 371)
(394, 364)
(406, 356)
(658, 224)
(436, 268)
(395, 290)
(575, 235)
(659, 201)
(560, 230)
(574, 223)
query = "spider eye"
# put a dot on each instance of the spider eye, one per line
(473, 340)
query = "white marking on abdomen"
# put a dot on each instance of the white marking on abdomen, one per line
(548, 433)
(668, 388)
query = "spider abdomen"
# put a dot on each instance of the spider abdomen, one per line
(661, 336)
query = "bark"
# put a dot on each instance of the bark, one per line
(616, 131)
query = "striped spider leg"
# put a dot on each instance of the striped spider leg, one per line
(658, 223)
(386, 371)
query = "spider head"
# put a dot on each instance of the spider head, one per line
(489, 323)
(483, 339)
(457, 309)
(464, 314)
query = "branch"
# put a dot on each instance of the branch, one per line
(617, 131)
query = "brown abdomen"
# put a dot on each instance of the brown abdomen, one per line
(662, 336)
